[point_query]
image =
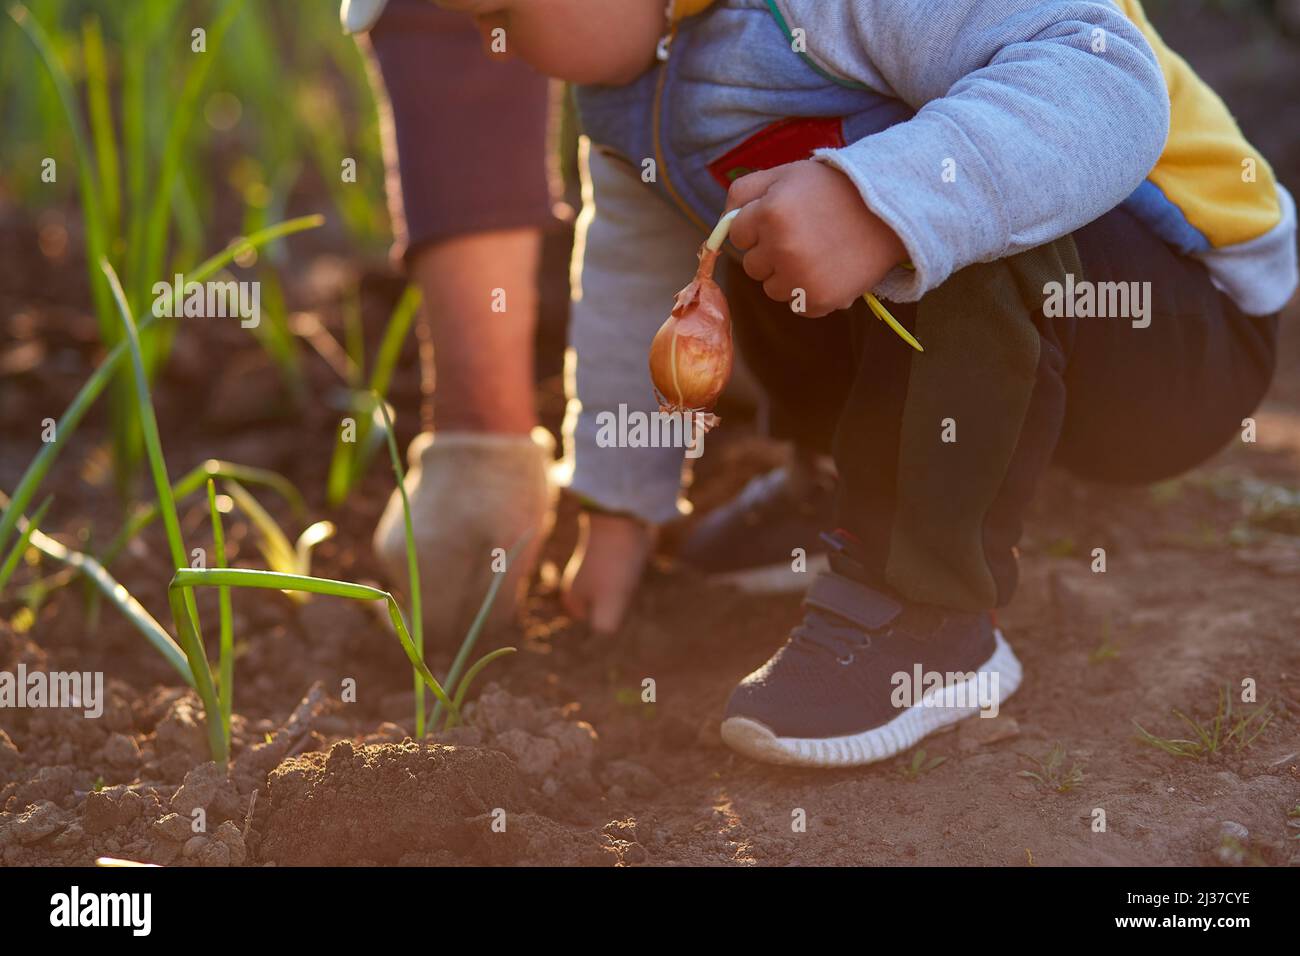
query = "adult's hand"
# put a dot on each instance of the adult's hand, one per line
(473, 495)
(480, 480)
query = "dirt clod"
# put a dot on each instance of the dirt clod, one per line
(180, 737)
(121, 751)
(632, 777)
(111, 808)
(10, 758)
(38, 822)
(209, 788)
(173, 827)
(385, 804)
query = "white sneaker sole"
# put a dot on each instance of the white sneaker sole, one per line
(937, 710)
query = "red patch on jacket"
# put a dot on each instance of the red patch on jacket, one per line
(786, 141)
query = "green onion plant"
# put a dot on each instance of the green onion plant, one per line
(351, 458)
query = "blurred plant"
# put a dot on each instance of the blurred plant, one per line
(145, 514)
(353, 452)
(273, 542)
(114, 592)
(1270, 506)
(36, 592)
(67, 424)
(146, 193)
(1108, 649)
(130, 228)
(11, 563)
(289, 85)
(1065, 547)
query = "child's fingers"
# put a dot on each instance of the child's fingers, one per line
(606, 616)
(745, 228)
(575, 603)
(602, 605)
(758, 264)
(778, 288)
(746, 194)
(750, 187)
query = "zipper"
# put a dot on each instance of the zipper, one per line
(664, 48)
(656, 116)
(666, 41)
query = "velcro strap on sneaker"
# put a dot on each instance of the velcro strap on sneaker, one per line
(851, 600)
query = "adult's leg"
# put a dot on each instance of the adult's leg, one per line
(483, 358)
(465, 142)
(465, 137)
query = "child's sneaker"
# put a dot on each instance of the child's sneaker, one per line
(865, 677)
(748, 543)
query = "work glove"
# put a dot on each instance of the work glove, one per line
(471, 493)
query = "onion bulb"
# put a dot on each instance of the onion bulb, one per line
(692, 353)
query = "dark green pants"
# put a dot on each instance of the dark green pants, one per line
(938, 454)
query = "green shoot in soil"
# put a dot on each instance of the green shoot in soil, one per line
(1220, 733)
(184, 611)
(919, 765)
(11, 562)
(274, 544)
(1051, 772)
(192, 482)
(116, 594)
(226, 655)
(475, 629)
(412, 563)
(351, 458)
(1108, 649)
(187, 579)
(413, 581)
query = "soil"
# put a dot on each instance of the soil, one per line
(561, 759)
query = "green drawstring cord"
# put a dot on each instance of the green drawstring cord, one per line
(883, 315)
(719, 236)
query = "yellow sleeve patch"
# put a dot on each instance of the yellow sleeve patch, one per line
(688, 8)
(1208, 169)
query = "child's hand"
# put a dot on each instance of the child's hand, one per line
(806, 227)
(606, 567)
